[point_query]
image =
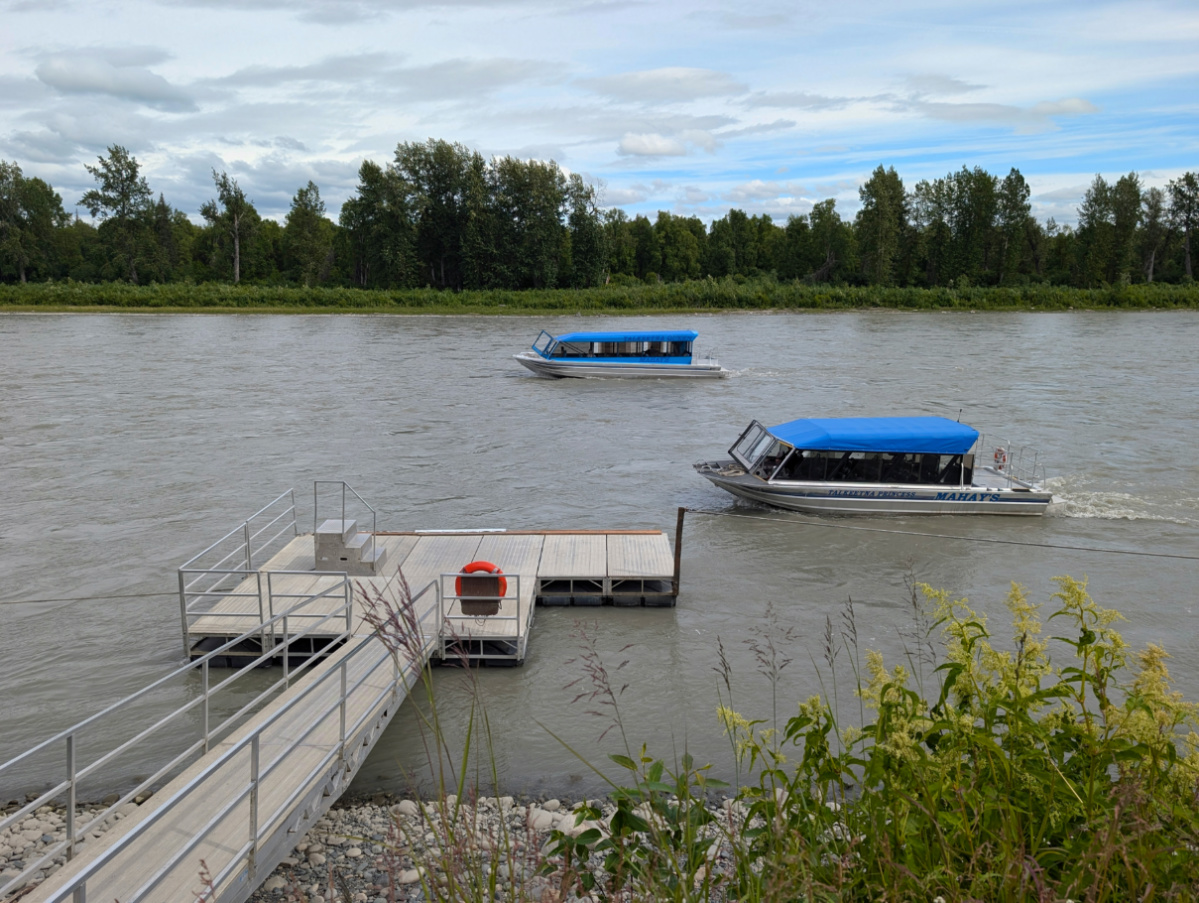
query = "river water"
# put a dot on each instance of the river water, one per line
(130, 442)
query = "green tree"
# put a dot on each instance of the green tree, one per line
(1014, 222)
(308, 237)
(1095, 239)
(646, 253)
(880, 225)
(833, 243)
(380, 231)
(588, 237)
(1184, 212)
(1126, 204)
(618, 239)
(1155, 230)
(680, 248)
(231, 214)
(439, 174)
(122, 200)
(30, 214)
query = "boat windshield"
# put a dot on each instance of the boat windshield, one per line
(544, 344)
(751, 445)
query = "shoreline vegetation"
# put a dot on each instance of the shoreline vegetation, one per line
(694, 296)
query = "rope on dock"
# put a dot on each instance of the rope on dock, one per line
(1007, 542)
(86, 598)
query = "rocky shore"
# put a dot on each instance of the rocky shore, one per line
(379, 850)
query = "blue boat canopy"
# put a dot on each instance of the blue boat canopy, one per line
(649, 335)
(935, 435)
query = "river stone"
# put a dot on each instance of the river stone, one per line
(316, 859)
(407, 808)
(409, 876)
(274, 883)
(551, 805)
(353, 853)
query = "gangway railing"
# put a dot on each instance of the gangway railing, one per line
(345, 488)
(495, 630)
(258, 589)
(218, 570)
(196, 714)
(242, 769)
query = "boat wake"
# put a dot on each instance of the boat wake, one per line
(1079, 501)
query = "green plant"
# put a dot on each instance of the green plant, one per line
(1015, 781)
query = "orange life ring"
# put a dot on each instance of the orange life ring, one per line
(1000, 458)
(482, 567)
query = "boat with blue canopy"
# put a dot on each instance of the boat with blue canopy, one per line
(880, 465)
(647, 353)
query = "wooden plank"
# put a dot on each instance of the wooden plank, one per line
(640, 556)
(515, 554)
(574, 556)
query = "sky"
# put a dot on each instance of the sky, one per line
(693, 108)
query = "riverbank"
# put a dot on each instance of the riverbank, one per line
(380, 850)
(704, 295)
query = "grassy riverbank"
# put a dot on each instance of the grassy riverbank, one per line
(705, 295)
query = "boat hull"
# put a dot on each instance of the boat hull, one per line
(585, 369)
(880, 498)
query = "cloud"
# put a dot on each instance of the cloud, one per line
(109, 74)
(619, 197)
(745, 22)
(796, 100)
(760, 129)
(758, 190)
(1024, 120)
(670, 85)
(452, 79)
(939, 85)
(651, 146)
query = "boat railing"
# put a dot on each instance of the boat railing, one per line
(1019, 463)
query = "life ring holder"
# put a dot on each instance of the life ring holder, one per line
(1000, 458)
(483, 603)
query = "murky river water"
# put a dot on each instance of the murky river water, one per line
(129, 443)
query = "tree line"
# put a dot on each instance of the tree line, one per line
(439, 215)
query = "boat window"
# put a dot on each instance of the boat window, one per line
(572, 349)
(768, 462)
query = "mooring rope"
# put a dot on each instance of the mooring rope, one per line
(796, 521)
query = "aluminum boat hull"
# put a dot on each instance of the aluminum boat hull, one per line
(587, 369)
(995, 494)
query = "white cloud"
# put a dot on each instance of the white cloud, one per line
(651, 146)
(670, 85)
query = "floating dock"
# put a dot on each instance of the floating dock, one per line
(587, 567)
(249, 784)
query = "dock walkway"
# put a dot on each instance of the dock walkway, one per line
(242, 800)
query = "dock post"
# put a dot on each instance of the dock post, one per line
(678, 552)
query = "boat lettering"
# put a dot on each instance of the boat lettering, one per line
(967, 497)
(869, 494)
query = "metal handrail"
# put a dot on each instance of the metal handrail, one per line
(76, 775)
(246, 852)
(316, 484)
(512, 592)
(290, 494)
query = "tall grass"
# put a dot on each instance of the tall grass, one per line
(696, 295)
(1039, 768)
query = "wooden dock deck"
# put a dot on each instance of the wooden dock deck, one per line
(624, 567)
